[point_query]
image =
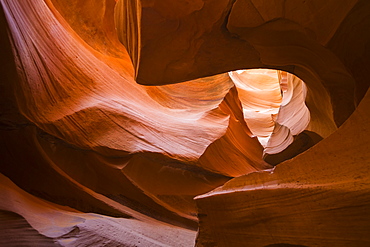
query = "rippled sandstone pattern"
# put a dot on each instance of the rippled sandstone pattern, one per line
(116, 114)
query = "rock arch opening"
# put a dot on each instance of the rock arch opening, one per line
(87, 143)
(275, 111)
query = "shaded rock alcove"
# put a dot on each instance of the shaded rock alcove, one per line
(122, 123)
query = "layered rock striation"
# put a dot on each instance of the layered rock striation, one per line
(115, 115)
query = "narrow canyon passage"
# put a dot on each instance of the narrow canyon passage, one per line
(184, 123)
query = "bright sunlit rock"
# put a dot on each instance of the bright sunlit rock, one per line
(273, 106)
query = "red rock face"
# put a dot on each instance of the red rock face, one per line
(115, 115)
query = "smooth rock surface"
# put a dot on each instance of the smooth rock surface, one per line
(116, 114)
(319, 198)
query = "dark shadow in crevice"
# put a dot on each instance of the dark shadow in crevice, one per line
(301, 143)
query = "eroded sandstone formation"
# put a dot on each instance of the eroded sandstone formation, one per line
(115, 115)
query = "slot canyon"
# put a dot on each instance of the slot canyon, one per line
(185, 123)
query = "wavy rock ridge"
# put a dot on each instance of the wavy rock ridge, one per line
(115, 115)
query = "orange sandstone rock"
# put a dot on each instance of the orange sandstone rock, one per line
(124, 109)
(320, 197)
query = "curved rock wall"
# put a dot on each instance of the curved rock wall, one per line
(116, 114)
(319, 198)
